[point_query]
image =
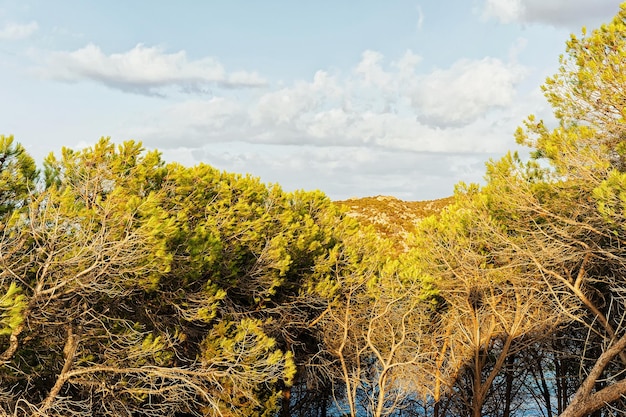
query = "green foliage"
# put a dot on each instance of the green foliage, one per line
(18, 175)
(610, 196)
(104, 167)
(159, 287)
(249, 362)
(131, 286)
(392, 218)
(12, 304)
(587, 97)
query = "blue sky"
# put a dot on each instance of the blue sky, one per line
(402, 98)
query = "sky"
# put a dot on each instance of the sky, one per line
(404, 98)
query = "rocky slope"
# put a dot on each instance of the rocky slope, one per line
(391, 217)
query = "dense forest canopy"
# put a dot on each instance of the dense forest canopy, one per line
(134, 287)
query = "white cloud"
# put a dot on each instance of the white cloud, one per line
(466, 91)
(344, 147)
(420, 17)
(377, 106)
(190, 124)
(144, 70)
(370, 69)
(407, 65)
(504, 10)
(288, 105)
(560, 13)
(570, 13)
(379, 103)
(244, 79)
(357, 133)
(15, 31)
(344, 171)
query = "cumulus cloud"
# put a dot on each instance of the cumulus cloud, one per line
(504, 10)
(15, 31)
(458, 95)
(191, 124)
(344, 171)
(144, 70)
(287, 105)
(380, 127)
(378, 104)
(376, 98)
(560, 13)
(370, 69)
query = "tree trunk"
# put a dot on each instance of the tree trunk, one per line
(545, 390)
(510, 362)
(285, 408)
(69, 350)
(585, 401)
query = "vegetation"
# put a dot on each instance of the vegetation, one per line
(132, 287)
(392, 218)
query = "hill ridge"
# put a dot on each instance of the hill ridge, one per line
(390, 216)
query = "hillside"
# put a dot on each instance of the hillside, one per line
(390, 216)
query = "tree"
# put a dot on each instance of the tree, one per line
(571, 217)
(18, 175)
(587, 95)
(250, 251)
(491, 309)
(75, 248)
(374, 326)
(94, 322)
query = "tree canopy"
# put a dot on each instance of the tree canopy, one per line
(130, 286)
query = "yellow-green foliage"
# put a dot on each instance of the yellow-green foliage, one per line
(12, 303)
(163, 289)
(246, 362)
(246, 346)
(587, 95)
(611, 199)
(390, 217)
(18, 173)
